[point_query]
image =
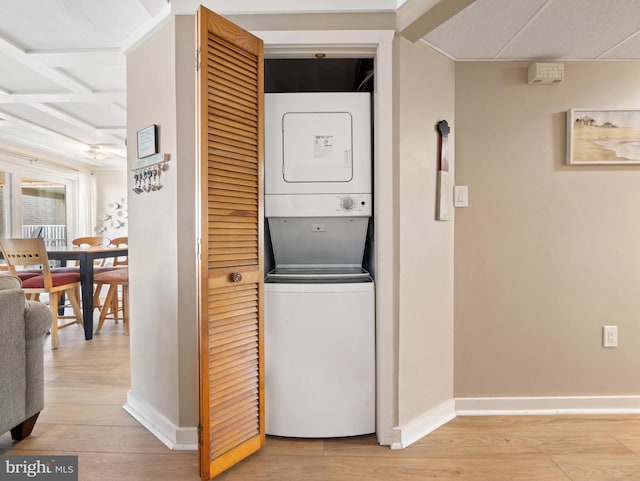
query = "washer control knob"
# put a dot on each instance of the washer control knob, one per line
(347, 203)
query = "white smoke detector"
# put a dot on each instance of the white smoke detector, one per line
(546, 73)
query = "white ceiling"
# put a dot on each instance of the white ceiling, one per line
(62, 62)
(542, 30)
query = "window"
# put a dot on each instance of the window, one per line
(44, 211)
(38, 201)
(5, 203)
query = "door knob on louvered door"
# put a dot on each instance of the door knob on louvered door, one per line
(236, 277)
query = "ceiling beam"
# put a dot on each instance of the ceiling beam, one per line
(19, 55)
(416, 18)
(78, 58)
(47, 97)
(146, 29)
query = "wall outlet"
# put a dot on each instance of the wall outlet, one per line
(610, 336)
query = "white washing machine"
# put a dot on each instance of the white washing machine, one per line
(319, 301)
(319, 359)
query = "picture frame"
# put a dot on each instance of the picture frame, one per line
(603, 136)
(147, 141)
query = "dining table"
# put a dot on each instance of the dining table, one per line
(86, 257)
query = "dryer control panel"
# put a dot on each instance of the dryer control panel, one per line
(318, 205)
(356, 204)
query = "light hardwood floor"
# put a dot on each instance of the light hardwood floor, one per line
(86, 385)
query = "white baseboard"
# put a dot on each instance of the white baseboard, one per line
(495, 406)
(174, 437)
(419, 427)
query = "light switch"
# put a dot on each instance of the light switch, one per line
(460, 196)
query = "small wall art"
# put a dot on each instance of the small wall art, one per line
(603, 136)
(147, 141)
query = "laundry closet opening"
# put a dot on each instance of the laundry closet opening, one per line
(319, 299)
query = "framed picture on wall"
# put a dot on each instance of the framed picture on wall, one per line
(603, 136)
(147, 141)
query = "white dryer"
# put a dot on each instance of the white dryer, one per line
(319, 301)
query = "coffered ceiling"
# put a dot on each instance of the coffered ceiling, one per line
(62, 62)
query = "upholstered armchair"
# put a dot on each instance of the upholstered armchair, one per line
(23, 325)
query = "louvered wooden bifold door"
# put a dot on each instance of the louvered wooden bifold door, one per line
(230, 129)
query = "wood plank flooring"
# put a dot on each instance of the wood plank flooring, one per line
(87, 382)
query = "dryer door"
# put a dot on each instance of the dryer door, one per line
(317, 146)
(317, 143)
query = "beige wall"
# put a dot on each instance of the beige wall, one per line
(546, 254)
(424, 95)
(164, 366)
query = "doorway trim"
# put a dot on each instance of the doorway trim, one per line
(377, 44)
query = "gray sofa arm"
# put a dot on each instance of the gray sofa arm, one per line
(37, 318)
(13, 369)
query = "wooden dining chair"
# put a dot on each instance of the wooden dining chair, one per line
(93, 241)
(30, 253)
(120, 242)
(117, 278)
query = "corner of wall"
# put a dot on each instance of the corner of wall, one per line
(424, 424)
(174, 437)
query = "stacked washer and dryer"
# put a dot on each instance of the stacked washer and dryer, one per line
(319, 300)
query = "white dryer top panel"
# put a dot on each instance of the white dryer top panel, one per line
(317, 143)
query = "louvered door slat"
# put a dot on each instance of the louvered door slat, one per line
(223, 202)
(236, 430)
(233, 129)
(235, 55)
(231, 137)
(239, 350)
(229, 113)
(225, 60)
(229, 101)
(229, 323)
(231, 89)
(240, 84)
(225, 127)
(228, 194)
(230, 63)
(238, 211)
(241, 237)
(232, 145)
(228, 187)
(236, 378)
(246, 167)
(224, 155)
(233, 395)
(241, 252)
(235, 406)
(240, 227)
(226, 177)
